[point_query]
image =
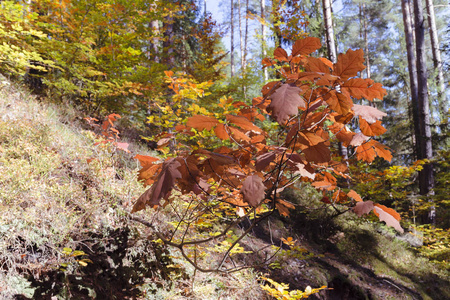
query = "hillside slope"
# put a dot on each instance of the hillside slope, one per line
(65, 230)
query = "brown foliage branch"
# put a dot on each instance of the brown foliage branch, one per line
(314, 107)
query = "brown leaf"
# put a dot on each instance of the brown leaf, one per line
(303, 171)
(368, 113)
(349, 64)
(243, 123)
(382, 151)
(339, 196)
(285, 102)
(280, 54)
(221, 132)
(200, 122)
(269, 88)
(363, 208)
(386, 216)
(315, 64)
(283, 207)
(267, 62)
(342, 133)
(161, 188)
(238, 134)
(253, 190)
(339, 102)
(306, 46)
(319, 153)
(264, 160)
(363, 88)
(371, 129)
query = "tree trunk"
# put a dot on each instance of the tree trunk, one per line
(426, 178)
(409, 37)
(329, 31)
(232, 39)
(241, 38)
(263, 36)
(331, 47)
(244, 65)
(366, 42)
(436, 58)
(154, 25)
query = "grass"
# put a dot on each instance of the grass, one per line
(51, 198)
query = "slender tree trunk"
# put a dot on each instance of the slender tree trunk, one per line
(154, 25)
(436, 58)
(426, 177)
(241, 38)
(331, 47)
(263, 36)
(366, 42)
(232, 39)
(409, 37)
(244, 65)
(329, 31)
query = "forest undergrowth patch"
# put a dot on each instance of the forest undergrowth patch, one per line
(65, 230)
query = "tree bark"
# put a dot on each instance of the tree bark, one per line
(436, 58)
(244, 65)
(232, 39)
(241, 41)
(331, 47)
(329, 31)
(263, 36)
(409, 38)
(426, 178)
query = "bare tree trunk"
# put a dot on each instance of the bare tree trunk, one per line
(329, 31)
(409, 37)
(426, 176)
(154, 25)
(232, 39)
(366, 42)
(436, 58)
(331, 47)
(263, 33)
(241, 41)
(244, 65)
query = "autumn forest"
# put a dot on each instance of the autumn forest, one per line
(228, 149)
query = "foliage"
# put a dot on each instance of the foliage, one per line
(312, 106)
(280, 291)
(17, 50)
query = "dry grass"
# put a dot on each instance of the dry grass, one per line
(51, 198)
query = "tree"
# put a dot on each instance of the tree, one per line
(426, 179)
(412, 72)
(241, 176)
(436, 58)
(263, 35)
(232, 38)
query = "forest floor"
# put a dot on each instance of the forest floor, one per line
(65, 231)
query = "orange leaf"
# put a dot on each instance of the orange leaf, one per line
(390, 211)
(382, 151)
(280, 54)
(243, 123)
(200, 122)
(306, 46)
(339, 102)
(371, 129)
(363, 88)
(316, 65)
(349, 64)
(221, 132)
(354, 195)
(239, 135)
(366, 152)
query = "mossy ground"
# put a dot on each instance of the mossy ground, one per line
(51, 198)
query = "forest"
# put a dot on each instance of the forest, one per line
(224, 149)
